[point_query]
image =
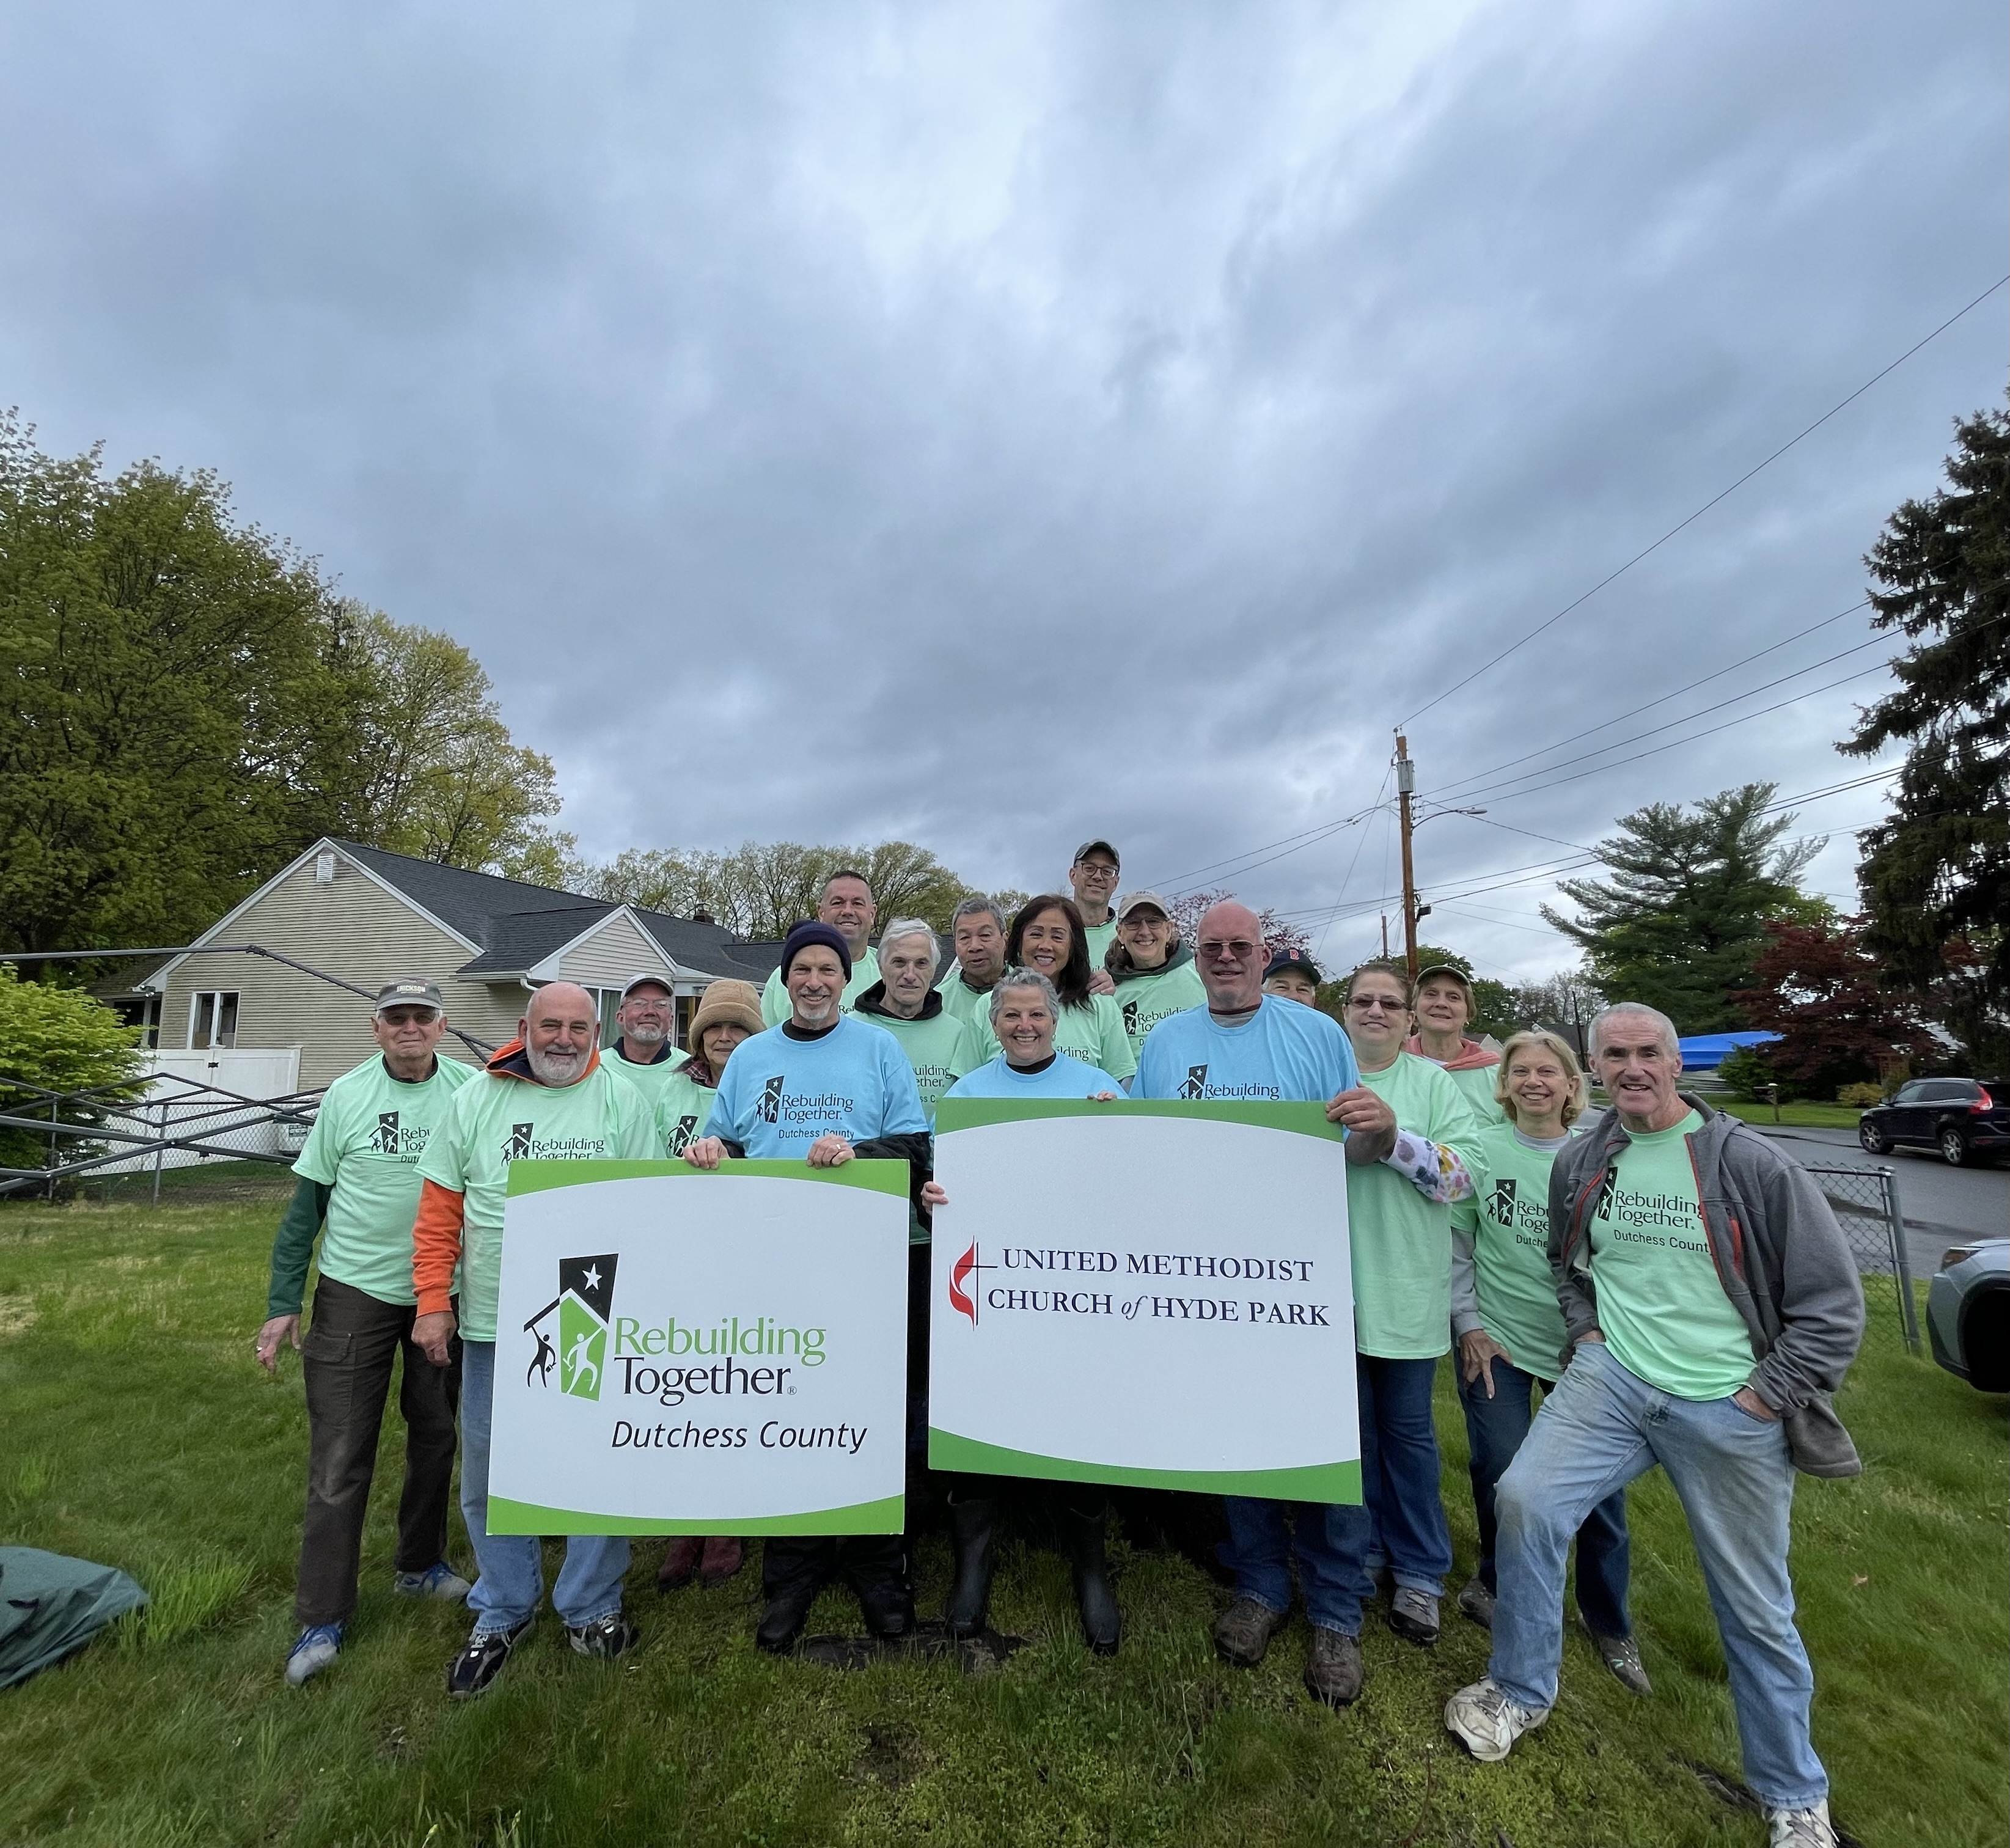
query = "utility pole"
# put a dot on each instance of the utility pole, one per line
(1406, 784)
(1385, 936)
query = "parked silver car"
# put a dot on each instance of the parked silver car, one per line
(1968, 1312)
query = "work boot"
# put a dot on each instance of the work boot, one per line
(888, 1607)
(1096, 1598)
(724, 1555)
(1477, 1602)
(680, 1559)
(1622, 1655)
(1413, 1615)
(791, 1577)
(971, 1525)
(1333, 1667)
(1243, 1632)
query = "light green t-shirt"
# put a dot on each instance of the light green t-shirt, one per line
(1402, 1243)
(1099, 937)
(496, 1121)
(967, 1004)
(1476, 1084)
(1144, 1000)
(1661, 1308)
(683, 1108)
(1508, 1221)
(648, 1079)
(775, 1007)
(1094, 1035)
(938, 1047)
(365, 1144)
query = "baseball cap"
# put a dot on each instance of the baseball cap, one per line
(1290, 961)
(1131, 901)
(1446, 968)
(411, 993)
(662, 981)
(1089, 846)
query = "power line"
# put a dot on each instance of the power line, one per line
(1593, 731)
(1645, 551)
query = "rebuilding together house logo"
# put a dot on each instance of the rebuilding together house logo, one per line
(585, 1305)
(770, 1106)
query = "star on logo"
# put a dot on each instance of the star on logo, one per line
(592, 1279)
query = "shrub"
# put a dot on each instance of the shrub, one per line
(1860, 1096)
(60, 1040)
(1745, 1074)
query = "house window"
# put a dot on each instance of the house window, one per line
(212, 1019)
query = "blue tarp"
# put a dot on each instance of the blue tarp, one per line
(1704, 1052)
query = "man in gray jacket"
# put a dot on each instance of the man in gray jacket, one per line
(1712, 1306)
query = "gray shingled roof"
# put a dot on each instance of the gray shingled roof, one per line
(517, 926)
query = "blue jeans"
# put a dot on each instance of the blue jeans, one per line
(1399, 1472)
(1602, 1427)
(512, 1564)
(1495, 1429)
(1404, 1519)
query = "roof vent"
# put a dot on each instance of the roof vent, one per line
(325, 869)
(701, 917)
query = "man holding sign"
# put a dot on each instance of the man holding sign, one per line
(546, 1096)
(1247, 1044)
(824, 1086)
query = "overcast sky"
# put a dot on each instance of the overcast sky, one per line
(995, 425)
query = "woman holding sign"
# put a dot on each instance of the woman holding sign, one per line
(1511, 1329)
(1024, 1011)
(1049, 937)
(1399, 1216)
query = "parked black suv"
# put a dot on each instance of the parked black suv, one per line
(1966, 1119)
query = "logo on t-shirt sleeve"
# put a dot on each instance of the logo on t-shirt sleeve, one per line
(770, 1106)
(387, 1132)
(1196, 1084)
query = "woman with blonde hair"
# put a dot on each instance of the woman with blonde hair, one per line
(1510, 1331)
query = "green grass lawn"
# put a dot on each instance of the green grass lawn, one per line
(1803, 1116)
(136, 1429)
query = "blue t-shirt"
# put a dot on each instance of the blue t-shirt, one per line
(1287, 1052)
(778, 1095)
(1067, 1077)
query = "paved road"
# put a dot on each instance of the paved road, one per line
(1941, 1205)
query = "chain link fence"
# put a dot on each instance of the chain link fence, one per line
(1865, 1200)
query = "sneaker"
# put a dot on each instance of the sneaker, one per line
(313, 1650)
(1487, 1722)
(1243, 1632)
(440, 1581)
(606, 1637)
(1333, 1667)
(481, 1661)
(1477, 1602)
(1621, 1654)
(1413, 1615)
(1801, 1828)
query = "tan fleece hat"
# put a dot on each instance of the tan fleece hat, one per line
(739, 1002)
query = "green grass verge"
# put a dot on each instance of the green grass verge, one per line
(1802, 1116)
(136, 1429)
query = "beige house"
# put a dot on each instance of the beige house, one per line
(369, 917)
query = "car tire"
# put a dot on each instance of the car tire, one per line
(1873, 1138)
(1953, 1147)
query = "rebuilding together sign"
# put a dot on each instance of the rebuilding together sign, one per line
(725, 1352)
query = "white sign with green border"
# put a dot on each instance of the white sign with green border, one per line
(1148, 1293)
(686, 1353)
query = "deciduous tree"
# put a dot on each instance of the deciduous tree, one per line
(1820, 988)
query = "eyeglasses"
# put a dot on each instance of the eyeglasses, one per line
(1088, 870)
(1369, 1004)
(1236, 947)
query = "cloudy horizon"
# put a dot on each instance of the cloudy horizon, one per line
(995, 427)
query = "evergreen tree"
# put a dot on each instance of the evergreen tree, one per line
(1936, 874)
(1681, 921)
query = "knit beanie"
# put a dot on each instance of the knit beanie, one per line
(815, 931)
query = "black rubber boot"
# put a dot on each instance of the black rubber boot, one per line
(971, 1525)
(875, 1567)
(1102, 1625)
(793, 1569)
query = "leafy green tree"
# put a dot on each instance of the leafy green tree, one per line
(171, 674)
(1680, 924)
(1936, 874)
(437, 774)
(59, 1040)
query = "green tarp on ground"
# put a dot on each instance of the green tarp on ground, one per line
(51, 1606)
